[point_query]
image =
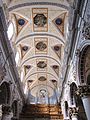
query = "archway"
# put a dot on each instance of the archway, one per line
(76, 100)
(4, 99)
(84, 75)
(4, 93)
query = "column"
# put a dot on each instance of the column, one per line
(84, 92)
(6, 112)
(73, 113)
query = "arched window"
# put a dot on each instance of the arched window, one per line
(73, 89)
(4, 93)
(84, 65)
(10, 30)
(17, 57)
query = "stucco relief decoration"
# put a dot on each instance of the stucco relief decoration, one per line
(29, 82)
(40, 17)
(40, 20)
(59, 22)
(86, 31)
(57, 50)
(41, 64)
(20, 22)
(41, 45)
(56, 69)
(24, 49)
(42, 78)
(54, 82)
(27, 68)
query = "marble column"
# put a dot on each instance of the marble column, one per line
(84, 92)
(6, 112)
(73, 113)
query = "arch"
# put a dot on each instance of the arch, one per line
(43, 85)
(77, 101)
(41, 34)
(83, 45)
(4, 93)
(44, 56)
(73, 88)
(84, 65)
(42, 72)
(37, 3)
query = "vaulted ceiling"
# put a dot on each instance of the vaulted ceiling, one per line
(40, 34)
